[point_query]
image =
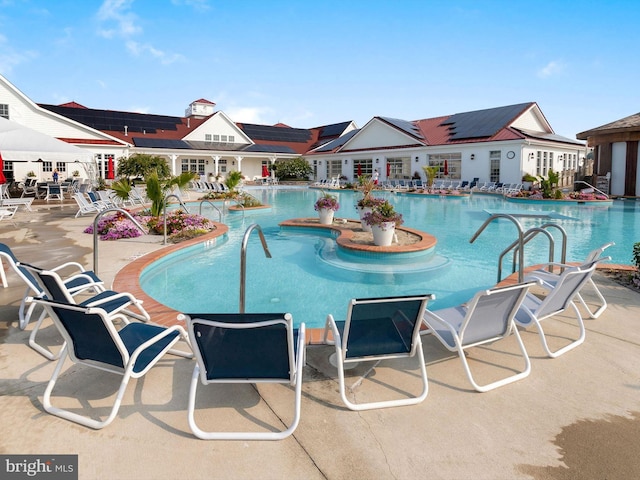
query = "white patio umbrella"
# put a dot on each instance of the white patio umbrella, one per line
(19, 143)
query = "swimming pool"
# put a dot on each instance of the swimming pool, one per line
(310, 279)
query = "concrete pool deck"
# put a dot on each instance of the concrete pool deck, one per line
(575, 417)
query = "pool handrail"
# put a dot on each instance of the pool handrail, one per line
(95, 231)
(243, 259)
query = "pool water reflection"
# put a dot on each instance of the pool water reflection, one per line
(310, 278)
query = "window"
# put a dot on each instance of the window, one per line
(195, 165)
(61, 167)
(222, 163)
(538, 165)
(399, 167)
(216, 138)
(223, 138)
(454, 165)
(334, 168)
(232, 138)
(494, 165)
(4, 110)
(207, 137)
(364, 166)
(8, 170)
(47, 166)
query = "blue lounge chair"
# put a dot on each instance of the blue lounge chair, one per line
(91, 339)
(486, 318)
(379, 329)
(246, 348)
(76, 282)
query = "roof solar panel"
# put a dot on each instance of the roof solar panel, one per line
(338, 142)
(482, 123)
(333, 130)
(159, 143)
(276, 134)
(269, 148)
(116, 121)
(408, 127)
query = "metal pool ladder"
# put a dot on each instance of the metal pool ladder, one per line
(243, 258)
(524, 237)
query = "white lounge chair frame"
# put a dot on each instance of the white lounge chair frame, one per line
(549, 279)
(128, 355)
(344, 356)
(487, 318)
(295, 358)
(535, 310)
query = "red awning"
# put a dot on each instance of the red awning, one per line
(110, 172)
(2, 177)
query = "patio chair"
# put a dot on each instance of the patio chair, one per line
(245, 348)
(486, 318)
(30, 187)
(54, 192)
(379, 329)
(78, 281)
(535, 310)
(549, 278)
(85, 207)
(7, 212)
(110, 301)
(91, 339)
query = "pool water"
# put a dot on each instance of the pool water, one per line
(309, 277)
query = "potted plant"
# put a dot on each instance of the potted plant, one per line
(75, 173)
(383, 220)
(367, 202)
(326, 206)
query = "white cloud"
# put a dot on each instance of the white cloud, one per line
(248, 114)
(10, 58)
(139, 49)
(118, 20)
(198, 5)
(550, 69)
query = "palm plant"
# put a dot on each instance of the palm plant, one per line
(157, 188)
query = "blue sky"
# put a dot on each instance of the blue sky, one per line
(313, 63)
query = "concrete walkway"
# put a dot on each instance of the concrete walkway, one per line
(575, 417)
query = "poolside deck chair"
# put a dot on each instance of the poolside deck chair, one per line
(486, 318)
(78, 280)
(8, 212)
(378, 329)
(54, 192)
(30, 187)
(110, 301)
(87, 208)
(246, 348)
(560, 297)
(549, 279)
(91, 339)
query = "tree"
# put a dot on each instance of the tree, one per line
(142, 164)
(233, 180)
(158, 188)
(294, 168)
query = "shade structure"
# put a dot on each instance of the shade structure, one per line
(110, 170)
(388, 169)
(446, 168)
(265, 171)
(20, 143)
(359, 169)
(2, 177)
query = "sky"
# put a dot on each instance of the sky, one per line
(307, 64)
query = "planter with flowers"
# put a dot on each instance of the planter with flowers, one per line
(367, 202)
(326, 206)
(383, 220)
